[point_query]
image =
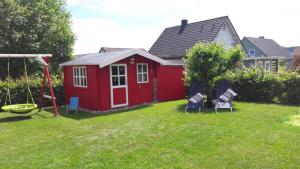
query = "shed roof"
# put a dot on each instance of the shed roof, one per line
(112, 49)
(175, 41)
(268, 46)
(107, 58)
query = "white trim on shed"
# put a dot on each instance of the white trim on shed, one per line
(107, 58)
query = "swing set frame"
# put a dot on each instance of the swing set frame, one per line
(44, 60)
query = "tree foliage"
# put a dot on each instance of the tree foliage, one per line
(30, 26)
(207, 62)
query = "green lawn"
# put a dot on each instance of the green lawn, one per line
(157, 136)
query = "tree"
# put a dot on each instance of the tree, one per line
(207, 62)
(31, 26)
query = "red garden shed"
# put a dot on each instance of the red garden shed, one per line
(107, 80)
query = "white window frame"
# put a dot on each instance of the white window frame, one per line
(118, 75)
(81, 77)
(250, 52)
(142, 73)
(118, 86)
(268, 62)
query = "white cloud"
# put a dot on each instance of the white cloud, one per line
(93, 33)
(273, 19)
(135, 7)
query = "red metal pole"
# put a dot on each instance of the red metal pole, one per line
(43, 90)
(51, 90)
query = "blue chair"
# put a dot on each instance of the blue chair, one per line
(74, 104)
(221, 88)
(194, 88)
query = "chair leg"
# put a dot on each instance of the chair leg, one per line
(185, 110)
(216, 109)
(67, 110)
(231, 109)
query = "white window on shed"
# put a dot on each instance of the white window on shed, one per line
(79, 76)
(142, 72)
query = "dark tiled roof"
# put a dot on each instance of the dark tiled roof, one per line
(268, 46)
(174, 42)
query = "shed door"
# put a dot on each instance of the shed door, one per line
(118, 84)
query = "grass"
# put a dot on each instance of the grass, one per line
(157, 136)
(295, 120)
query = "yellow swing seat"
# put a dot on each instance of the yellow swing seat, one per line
(19, 108)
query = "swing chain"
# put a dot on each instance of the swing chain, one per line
(8, 96)
(27, 83)
(8, 90)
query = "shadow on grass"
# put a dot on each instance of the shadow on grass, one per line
(181, 108)
(85, 114)
(268, 103)
(14, 119)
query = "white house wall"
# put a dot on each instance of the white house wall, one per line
(226, 36)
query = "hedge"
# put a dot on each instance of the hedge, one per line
(19, 92)
(254, 84)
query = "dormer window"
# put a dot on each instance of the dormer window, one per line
(251, 53)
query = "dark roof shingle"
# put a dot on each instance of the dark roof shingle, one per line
(173, 43)
(268, 46)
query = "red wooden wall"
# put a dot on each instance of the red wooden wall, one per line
(170, 85)
(88, 97)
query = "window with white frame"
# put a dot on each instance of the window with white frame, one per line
(268, 65)
(118, 75)
(142, 73)
(79, 76)
(251, 52)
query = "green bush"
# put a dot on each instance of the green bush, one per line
(18, 90)
(254, 84)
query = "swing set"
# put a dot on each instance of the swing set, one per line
(28, 107)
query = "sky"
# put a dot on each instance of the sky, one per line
(138, 23)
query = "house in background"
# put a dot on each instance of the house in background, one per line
(294, 62)
(175, 41)
(264, 53)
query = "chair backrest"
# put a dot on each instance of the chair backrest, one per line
(222, 87)
(74, 102)
(195, 87)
